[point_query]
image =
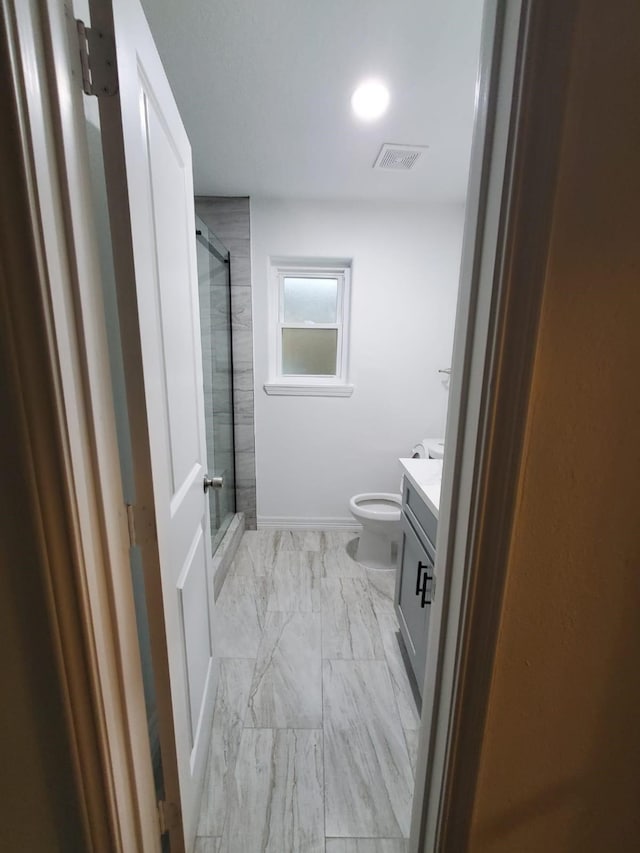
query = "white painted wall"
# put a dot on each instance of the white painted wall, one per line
(314, 453)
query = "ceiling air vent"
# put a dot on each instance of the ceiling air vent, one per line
(394, 156)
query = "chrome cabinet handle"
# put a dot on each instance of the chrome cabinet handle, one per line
(212, 482)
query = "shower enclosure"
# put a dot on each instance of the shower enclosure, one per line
(214, 287)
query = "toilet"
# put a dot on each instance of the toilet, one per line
(379, 515)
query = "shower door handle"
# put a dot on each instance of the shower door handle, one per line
(212, 482)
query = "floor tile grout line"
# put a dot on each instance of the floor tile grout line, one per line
(393, 691)
(235, 657)
(246, 707)
(284, 729)
(409, 751)
(324, 773)
(255, 660)
(324, 796)
(395, 696)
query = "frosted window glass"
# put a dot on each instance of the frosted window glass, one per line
(310, 300)
(309, 352)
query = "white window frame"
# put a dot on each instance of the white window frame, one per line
(334, 385)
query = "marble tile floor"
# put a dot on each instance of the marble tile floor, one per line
(315, 727)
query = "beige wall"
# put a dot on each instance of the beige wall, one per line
(40, 807)
(560, 764)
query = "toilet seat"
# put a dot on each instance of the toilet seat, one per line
(377, 505)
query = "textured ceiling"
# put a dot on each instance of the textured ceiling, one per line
(264, 90)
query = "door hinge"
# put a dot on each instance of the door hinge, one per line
(131, 524)
(168, 816)
(97, 60)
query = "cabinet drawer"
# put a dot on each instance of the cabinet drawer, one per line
(419, 512)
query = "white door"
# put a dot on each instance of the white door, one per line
(150, 189)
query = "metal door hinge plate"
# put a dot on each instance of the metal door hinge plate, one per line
(98, 61)
(168, 815)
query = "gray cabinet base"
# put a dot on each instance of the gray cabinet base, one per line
(414, 582)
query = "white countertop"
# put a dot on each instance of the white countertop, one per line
(425, 475)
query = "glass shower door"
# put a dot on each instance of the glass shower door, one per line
(215, 324)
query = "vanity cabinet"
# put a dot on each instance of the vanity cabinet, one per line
(414, 579)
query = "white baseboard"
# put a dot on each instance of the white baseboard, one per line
(278, 522)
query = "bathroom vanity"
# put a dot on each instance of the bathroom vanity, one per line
(416, 557)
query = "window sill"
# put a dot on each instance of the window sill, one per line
(309, 390)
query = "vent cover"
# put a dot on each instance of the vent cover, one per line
(393, 156)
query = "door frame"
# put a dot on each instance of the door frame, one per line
(521, 97)
(54, 314)
(506, 230)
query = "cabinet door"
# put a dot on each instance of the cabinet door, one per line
(413, 618)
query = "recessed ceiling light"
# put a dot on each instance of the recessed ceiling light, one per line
(370, 100)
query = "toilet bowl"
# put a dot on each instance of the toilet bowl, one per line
(379, 515)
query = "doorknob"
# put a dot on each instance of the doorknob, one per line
(213, 482)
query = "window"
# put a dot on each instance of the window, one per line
(310, 328)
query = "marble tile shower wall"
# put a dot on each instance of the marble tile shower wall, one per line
(228, 218)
